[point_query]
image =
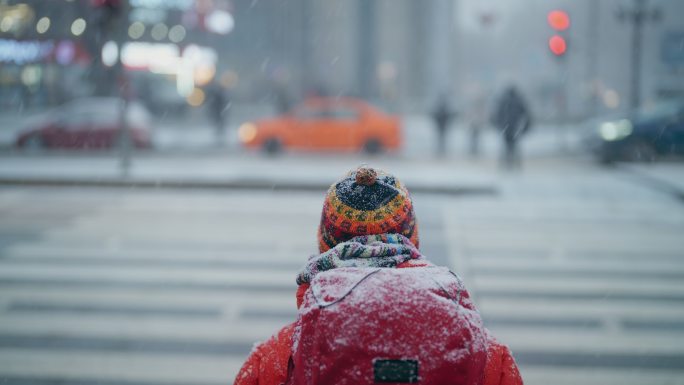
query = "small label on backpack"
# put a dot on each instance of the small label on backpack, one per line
(405, 371)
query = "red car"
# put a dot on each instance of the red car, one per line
(92, 123)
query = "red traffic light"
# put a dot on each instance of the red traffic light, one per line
(558, 45)
(558, 20)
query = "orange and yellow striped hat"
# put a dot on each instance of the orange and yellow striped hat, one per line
(366, 201)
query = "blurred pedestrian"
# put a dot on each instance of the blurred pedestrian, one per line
(442, 116)
(372, 282)
(477, 121)
(283, 100)
(218, 105)
(281, 90)
(513, 120)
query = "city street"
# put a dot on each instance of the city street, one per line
(163, 167)
(578, 268)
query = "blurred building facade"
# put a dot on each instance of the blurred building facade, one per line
(501, 42)
(402, 54)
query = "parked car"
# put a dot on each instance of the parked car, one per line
(342, 124)
(644, 135)
(89, 123)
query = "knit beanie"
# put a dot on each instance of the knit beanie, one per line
(366, 201)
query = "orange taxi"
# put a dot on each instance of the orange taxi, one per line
(342, 124)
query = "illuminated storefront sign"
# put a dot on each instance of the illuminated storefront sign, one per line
(23, 52)
(149, 55)
(182, 5)
(195, 65)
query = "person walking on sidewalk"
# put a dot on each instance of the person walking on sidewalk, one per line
(442, 115)
(513, 120)
(372, 308)
(218, 105)
(477, 121)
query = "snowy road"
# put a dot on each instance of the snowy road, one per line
(578, 269)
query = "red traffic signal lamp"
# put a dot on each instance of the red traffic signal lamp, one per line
(558, 20)
(558, 45)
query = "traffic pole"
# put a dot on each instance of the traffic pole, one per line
(637, 16)
(124, 133)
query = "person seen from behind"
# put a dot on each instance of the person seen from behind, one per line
(218, 105)
(442, 116)
(373, 308)
(513, 120)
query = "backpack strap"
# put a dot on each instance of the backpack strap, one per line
(457, 298)
(321, 303)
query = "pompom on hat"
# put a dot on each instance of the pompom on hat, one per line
(366, 201)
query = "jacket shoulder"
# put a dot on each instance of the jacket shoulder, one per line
(267, 363)
(500, 368)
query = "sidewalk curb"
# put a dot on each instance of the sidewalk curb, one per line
(654, 182)
(235, 184)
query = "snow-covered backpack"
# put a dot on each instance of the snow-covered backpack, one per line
(383, 325)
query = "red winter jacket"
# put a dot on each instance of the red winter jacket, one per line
(268, 362)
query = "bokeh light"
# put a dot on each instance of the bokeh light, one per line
(78, 27)
(136, 30)
(159, 31)
(43, 25)
(110, 53)
(196, 98)
(177, 33)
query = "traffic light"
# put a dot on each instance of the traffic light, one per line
(559, 22)
(557, 45)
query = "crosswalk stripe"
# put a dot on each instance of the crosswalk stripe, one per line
(135, 297)
(580, 286)
(502, 264)
(598, 376)
(93, 326)
(502, 306)
(118, 366)
(113, 284)
(588, 341)
(260, 253)
(155, 263)
(127, 345)
(112, 310)
(632, 298)
(281, 277)
(579, 273)
(582, 359)
(54, 380)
